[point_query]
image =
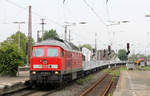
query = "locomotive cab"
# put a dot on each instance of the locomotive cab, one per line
(45, 64)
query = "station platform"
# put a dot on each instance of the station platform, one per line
(133, 83)
(6, 82)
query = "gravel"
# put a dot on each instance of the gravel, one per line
(75, 89)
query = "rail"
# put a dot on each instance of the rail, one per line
(107, 88)
(93, 86)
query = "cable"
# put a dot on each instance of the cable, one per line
(17, 5)
(92, 9)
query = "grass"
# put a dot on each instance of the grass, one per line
(123, 68)
(115, 72)
(147, 68)
(84, 80)
(106, 70)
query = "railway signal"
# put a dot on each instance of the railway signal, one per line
(128, 48)
(104, 53)
(109, 50)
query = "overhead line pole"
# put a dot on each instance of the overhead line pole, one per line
(38, 35)
(66, 29)
(66, 32)
(95, 41)
(19, 24)
(69, 36)
(96, 45)
(42, 23)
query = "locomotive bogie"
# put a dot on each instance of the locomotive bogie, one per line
(48, 77)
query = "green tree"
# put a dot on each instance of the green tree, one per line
(10, 58)
(49, 34)
(88, 46)
(13, 39)
(122, 54)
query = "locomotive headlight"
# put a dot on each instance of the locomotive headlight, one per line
(34, 72)
(56, 72)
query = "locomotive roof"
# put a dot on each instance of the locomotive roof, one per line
(59, 42)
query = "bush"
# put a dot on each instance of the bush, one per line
(10, 58)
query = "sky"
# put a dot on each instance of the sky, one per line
(97, 15)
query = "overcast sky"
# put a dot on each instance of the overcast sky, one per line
(94, 12)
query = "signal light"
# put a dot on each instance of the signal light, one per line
(94, 50)
(128, 46)
(109, 50)
(104, 53)
(128, 52)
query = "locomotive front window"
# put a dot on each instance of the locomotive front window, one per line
(39, 52)
(52, 52)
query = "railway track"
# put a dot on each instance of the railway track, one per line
(31, 92)
(100, 87)
(40, 93)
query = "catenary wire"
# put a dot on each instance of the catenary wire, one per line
(35, 13)
(97, 15)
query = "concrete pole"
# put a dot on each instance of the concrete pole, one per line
(66, 32)
(38, 35)
(42, 23)
(29, 54)
(19, 24)
(69, 36)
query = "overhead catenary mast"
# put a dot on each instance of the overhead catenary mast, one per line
(95, 41)
(42, 23)
(69, 36)
(66, 32)
(96, 46)
(19, 24)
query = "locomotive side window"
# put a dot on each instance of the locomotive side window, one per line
(39, 52)
(61, 53)
(52, 52)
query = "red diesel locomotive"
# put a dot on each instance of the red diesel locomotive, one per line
(54, 61)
